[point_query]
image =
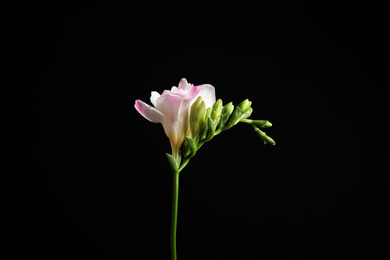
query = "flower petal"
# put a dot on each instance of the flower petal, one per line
(155, 95)
(173, 124)
(168, 105)
(183, 84)
(207, 92)
(176, 107)
(149, 112)
(173, 89)
(192, 93)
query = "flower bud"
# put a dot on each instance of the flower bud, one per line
(197, 116)
(268, 140)
(227, 110)
(245, 105)
(216, 110)
(264, 136)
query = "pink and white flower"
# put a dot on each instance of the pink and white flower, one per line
(172, 109)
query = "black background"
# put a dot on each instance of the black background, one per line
(85, 176)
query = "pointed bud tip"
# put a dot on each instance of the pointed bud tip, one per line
(269, 140)
(216, 110)
(245, 105)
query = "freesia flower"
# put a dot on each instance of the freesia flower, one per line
(172, 109)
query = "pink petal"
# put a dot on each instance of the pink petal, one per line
(191, 94)
(149, 112)
(183, 84)
(173, 124)
(176, 107)
(169, 104)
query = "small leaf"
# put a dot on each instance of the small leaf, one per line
(235, 117)
(173, 163)
(203, 134)
(212, 126)
(186, 149)
(246, 114)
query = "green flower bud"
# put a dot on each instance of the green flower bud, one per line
(245, 105)
(227, 110)
(264, 136)
(268, 140)
(241, 112)
(216, 111)
(197, 116)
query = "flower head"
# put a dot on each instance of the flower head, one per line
(172, 109)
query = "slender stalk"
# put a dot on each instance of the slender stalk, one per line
(175, 200)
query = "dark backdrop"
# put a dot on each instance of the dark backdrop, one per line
(85, 176)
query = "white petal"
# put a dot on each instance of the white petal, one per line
(153, 98)
(173, 89)
(207, 92)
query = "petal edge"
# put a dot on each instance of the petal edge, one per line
(149, 112)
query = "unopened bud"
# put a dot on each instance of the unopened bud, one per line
(216, 110)
(245, 105)
(264, 136)
(227, 110)
(197, 116)
(268, 140)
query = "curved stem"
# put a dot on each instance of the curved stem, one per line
(175, 200)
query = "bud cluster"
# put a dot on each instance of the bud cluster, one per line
(207, 123)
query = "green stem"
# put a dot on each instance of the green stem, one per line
(248, 121)
(175, 200)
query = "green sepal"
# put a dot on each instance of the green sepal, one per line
(192, 144)
(246, 114)
(226, 112)
(203, 133)
(235, 117)
(211, 125)
(205, 129)
(238, 115)
(186, 149)
(173, 163)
